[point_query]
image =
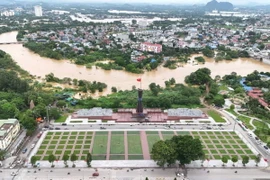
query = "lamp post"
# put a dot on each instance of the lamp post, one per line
(234, 124)
(47, 112)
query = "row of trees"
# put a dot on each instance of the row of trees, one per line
(245, 160)
(156, 97)
(73, 157)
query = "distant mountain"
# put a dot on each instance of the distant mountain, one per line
(220, 6)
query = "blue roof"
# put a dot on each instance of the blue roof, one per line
(247, 88)
(153, 60)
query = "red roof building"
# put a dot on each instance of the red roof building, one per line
(258, 94)
(149, 47)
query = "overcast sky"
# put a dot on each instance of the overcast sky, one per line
(236, 2)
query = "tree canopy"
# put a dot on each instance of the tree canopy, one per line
(180, 148)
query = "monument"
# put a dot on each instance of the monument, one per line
(139, 110)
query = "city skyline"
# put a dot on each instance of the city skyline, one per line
(235, 2)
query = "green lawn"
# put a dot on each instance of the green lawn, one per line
(117, 157)
(245, 120)
(215, 116)
(117, 144)
(134, 144)
(135, 157)
(232, 112)
(100, 145)
(152, 139)
(61, 119)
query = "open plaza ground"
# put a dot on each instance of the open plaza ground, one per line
(135, 145)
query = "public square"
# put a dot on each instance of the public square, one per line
(135, 145)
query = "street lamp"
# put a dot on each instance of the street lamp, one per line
(234, 124)
(47, 112)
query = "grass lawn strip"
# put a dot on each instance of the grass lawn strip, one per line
(100, 144)
(117, 144)
(215, 116)
(134, 144)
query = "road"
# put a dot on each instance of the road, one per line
(136, 174)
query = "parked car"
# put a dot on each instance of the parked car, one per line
(64, 124)
(57, 128)
(257, 138)
(46, 126)
(24, 151)
(95, 174)
(208, 128)
(265, 147)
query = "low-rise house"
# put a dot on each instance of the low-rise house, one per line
(9, 129)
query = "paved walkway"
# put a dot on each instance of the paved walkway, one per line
(109, 145)
(145, 148)
(126, 145)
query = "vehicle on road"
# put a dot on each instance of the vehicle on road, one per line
(46, 126)
(57, 128)
(24, 151)
(64, 124)
(265, 147)
(95, 174)
(39, 134)
(102, 128)
(33, 145)
(208, 127)
(14, 174)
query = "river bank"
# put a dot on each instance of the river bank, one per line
(122, 80)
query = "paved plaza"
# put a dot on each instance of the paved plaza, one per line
(135, 145)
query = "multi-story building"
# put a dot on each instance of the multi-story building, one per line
(9, 129)
(149, 47)
(38, 10)
(8, 13)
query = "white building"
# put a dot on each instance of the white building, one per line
(9, 129)
(8, 13)
(38, 10)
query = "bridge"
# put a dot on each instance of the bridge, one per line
(3, 43)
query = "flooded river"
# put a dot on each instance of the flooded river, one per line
(41, 66)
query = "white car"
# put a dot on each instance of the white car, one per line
(33, 145)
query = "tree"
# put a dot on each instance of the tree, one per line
(89, 159)
(146, 178)
(219, 100)
(73, 158)
(245, 160)
(2, 155)
(114, 89)
(33, 160)
(187, 149)
(224, 159)
(257, 159)
(51, 159)
(202, 158)
(234, 159)
(163, 153)
(65, 159)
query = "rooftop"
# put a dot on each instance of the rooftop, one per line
(185, 112)
(97, 111)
